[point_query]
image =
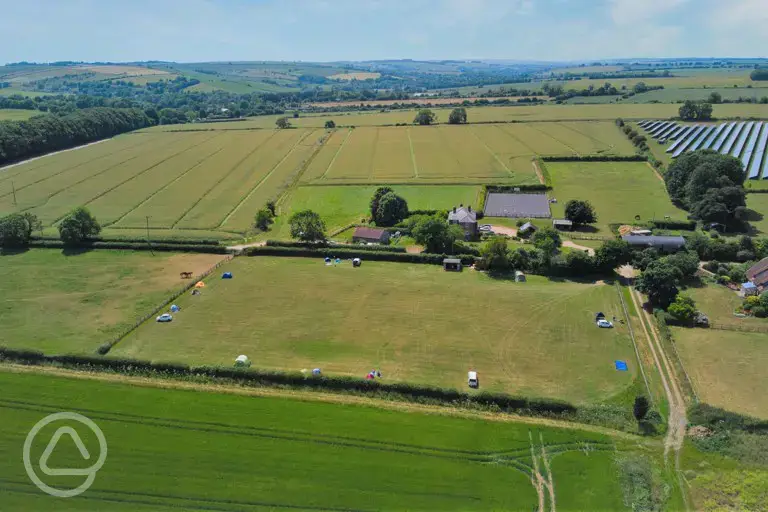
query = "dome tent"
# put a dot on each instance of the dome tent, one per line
(242, 360)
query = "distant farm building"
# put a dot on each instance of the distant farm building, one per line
(370, 235)
(532, 206)
(466, 218)
(562, 224)
(452, 264)
(758, 275)
(527, 229)
(660, 243)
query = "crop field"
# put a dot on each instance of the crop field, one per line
(177, 182)
(7, 114)
(340, 206)
(357, 75)
(727, 367)
(72, 304)
(401, 319)
(481, 153)
(618, 190)
(270, 452)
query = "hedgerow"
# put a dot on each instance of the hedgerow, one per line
(347, 253)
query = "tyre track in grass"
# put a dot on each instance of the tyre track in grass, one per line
(338, 151)
(493, 154)
(413, 154)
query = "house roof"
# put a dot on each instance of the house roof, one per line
(373, 233)
(758, 273)
(527, 226)
(655, 240)
(462, 215)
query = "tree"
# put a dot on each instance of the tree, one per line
(659, 281)
(640, 87)
(14, 231)
(641, 408)
(715, 98)
(580, 212)
(695, 111)
(683, 309)
(436, 235)
(330, 124)
(307, 226)
(424, 117)
(612, 254)
(263, 219)
(271, 207)
(380, 192)
(687, 262)
(283, 123)
(458, 116)
(495, 253)
(391, 210)
(547, 240)
(78, 226)
(33, 223)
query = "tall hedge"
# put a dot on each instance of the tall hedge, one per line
(435, 259)
(44, 134)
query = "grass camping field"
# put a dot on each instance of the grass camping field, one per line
(415, 323)
(617, 190)
(170, 449)
(68, 304)
(759, 203)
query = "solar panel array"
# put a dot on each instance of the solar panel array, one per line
(747, 141)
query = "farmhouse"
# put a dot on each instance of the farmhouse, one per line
(466, 218)
(660, 243)
(758, 274)
(370, 235)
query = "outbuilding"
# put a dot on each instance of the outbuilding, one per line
(452, 265)
(519, 276)
(562, 224)
(749, 288)
(370, 235)
(660, 243)
(527, 229)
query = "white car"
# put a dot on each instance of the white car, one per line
(165, 317)
(485, 227)
(604, 323)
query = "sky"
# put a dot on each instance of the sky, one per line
(333, 30)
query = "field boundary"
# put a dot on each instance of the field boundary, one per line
(634, 342)
(739, 328)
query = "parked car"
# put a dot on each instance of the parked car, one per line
(165, 317)
(472, 380)
(603, 323)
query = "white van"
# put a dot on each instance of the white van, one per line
(472, 379)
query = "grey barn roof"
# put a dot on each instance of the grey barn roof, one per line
(517, 205)
(675, 242)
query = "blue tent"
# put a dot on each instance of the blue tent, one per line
(175, 308)
(621, 366)
(226, 275)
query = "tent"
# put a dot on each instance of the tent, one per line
(621, 366)
(175, 309)
(200, 284)
(316, 371)
(242, 361)
(356, 262)
(226, 275)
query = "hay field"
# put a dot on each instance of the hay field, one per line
(415, 323)
(8, 114)
(73, 303)
(213, 181)
(617, 190)
(356, 75)
(278, 453)
(727, 367)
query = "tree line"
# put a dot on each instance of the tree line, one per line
(44, 134)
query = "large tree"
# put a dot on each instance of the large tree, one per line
(612, 254)
(307, 226)
(377, 195)
(78, 226)
(659, 281)
(16, 229)
(580, 212)
(547, 240)
(390, 210)
(683, 309)
(425, 117)
(695, 111)
(496, 254)
(458, 116)
(263, 219)
(436, 235)
(283, 123)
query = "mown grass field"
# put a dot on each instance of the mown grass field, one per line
(183, 182)
(759, 203)
(67, 304)
(727, 367)
(719, 303)
(340, 206)
(7, 114)
(175, 449)
(415, 323)
(618, 190)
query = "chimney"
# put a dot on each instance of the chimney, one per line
(454, 209)
(469, 208)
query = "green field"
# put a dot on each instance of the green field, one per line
(727, 367)
(340, 206)
(618, 190)
(67, 304)
(759, 203)
(719, 304)
(17, 114)
(174, 449)
(415, 323)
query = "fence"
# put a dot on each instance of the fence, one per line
(741, 328)
(107, 345)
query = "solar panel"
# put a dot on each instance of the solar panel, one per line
(713, 136)
(676, 132)
(751, 145)
(681, 137)
(666, 131)
(702, 138)
(659, 127)
(641, 124)
(754, 170)
(652, 125)
(723, 136)
(689, 139)
(732, 139)
(736, 151)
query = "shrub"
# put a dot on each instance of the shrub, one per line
(78, 226)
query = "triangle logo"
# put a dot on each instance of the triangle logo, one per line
(72, 433)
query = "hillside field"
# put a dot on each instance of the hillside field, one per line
(415, 323)
(7, 114)
(71, 304)
(171, 449)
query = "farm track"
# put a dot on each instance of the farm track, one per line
(338, 151)
(556, 140)
(493, 153)
(413, 154)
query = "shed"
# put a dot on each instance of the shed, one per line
(562, 224)
(661, 243)
(527, 229)
(641, 232)
(370, 235)
(519, 276)
(749, 288)
(452, 264)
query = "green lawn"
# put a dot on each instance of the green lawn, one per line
(759, 203)
(66, 304)
(8, 114)
(415, 323)
(719, 304)
(347, 204)
(618, 190)
(172, 449)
